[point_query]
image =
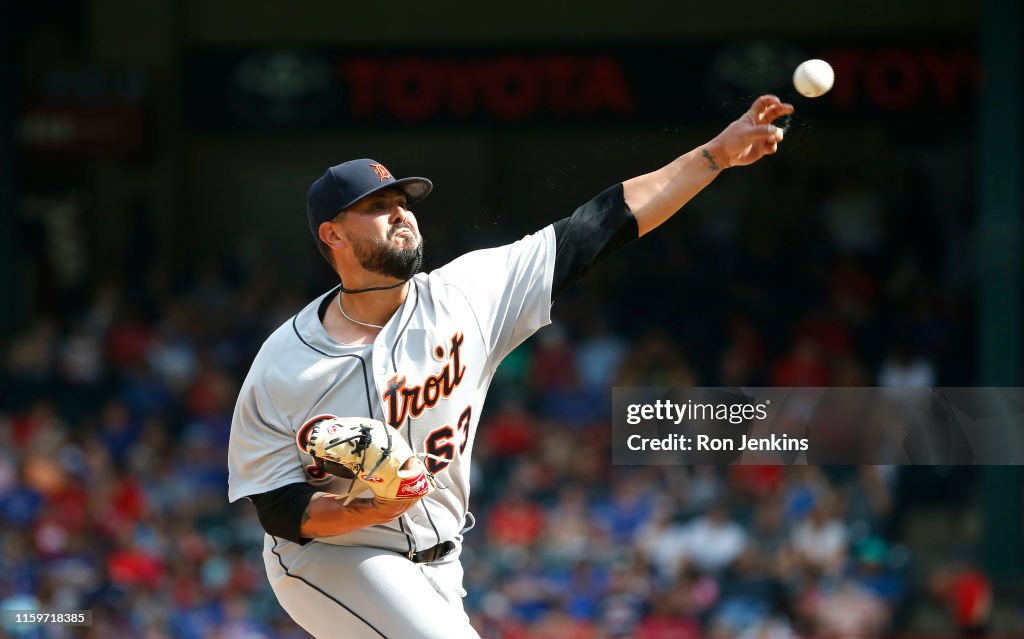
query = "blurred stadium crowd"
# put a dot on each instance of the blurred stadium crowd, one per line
(115, 417)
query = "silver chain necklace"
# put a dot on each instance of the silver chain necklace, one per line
(355, 321)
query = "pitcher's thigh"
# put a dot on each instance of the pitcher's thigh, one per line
(340, 592)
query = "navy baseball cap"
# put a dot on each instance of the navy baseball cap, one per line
(345, 184)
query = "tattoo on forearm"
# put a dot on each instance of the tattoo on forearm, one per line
(309, 506)
(711, 160)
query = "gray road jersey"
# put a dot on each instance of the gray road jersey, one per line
(426, 373)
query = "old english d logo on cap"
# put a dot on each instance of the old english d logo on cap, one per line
(382, 172)
(344, 184)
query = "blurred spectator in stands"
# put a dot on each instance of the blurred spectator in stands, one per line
(751, 593)
(701, 589)
(852, 291)
(19, 506)
(627, 599)
(827, 330)
(598, 357)
(172, 355)
(80, 357)
(663, 543)
(714, 541)
(510, 432)
(553, 366)
(581, 587)
(554, 378)
(770, 532)
(734, 369)
(694, 489)
(495, 618)
(514, 521)
(852, 214)
(118, 431)
(846, 611)
(742, 361)
(28, 427)
(802, 366)
(803, 485)
(870, 570)
(526, 591)
(129, 565)
(211, 401)
(129, 338)
(31, 354)
(967, 593)
(143, 392)
(569, 536)
(626, 508)
(903, 369)
(669, 618)
(820, 540)
(755, 482)
(8, 463)
(869, 499)
(654, 360)
(238, 622)
(558, 624)
(847, 371)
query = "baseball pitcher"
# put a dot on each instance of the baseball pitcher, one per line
(353, 430)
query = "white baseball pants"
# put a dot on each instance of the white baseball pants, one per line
(353, 592)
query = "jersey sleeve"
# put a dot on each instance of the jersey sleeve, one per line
(262, 454)
(508, 289)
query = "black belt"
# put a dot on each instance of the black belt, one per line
(431, 554)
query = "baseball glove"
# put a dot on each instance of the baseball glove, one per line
(369, 452)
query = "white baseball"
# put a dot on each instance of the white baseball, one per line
(813, 78)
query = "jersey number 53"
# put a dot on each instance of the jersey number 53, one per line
(440, 442)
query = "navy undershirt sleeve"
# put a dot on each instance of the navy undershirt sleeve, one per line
(594, 231)
(280, 510)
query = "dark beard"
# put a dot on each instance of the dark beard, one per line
(384, 258)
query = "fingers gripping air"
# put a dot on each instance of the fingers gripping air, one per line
(368, 451)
